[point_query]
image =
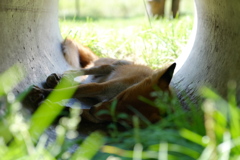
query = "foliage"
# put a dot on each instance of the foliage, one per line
(136, 39)
(29, 138)
(216, 136)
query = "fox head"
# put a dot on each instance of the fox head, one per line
(128, 100)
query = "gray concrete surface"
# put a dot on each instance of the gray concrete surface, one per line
(214, 57)
(30, 36)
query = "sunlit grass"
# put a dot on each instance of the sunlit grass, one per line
(115, 9)
(136, 39)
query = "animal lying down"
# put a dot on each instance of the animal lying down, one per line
(110, 80)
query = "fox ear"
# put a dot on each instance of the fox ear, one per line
(166, 77)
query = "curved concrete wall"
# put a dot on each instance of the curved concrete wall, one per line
(215, 56)
(30, 36)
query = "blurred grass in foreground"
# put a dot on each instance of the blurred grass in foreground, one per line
(212, 132)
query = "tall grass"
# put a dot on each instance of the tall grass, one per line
(212, 132)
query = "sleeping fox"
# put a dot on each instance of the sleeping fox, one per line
(108, 80)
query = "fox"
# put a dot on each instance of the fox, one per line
(109, 80)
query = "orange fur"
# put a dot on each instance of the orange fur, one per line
(111, 79)
(123, 81)
(129, 98)
(80, 56)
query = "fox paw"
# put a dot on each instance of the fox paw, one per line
(36, 95)
(53, 80)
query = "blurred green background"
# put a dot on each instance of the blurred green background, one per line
(121, 29)
(114, 9)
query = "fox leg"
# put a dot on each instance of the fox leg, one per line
(85, 90)
(53, 79)
(101, 91)
(98, 70)
(77, 55)
(38, 94)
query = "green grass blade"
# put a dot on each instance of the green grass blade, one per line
(10, 78)
(189, 135)
(49, 110)
(89, 147)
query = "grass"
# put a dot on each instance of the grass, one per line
(154, 44)
(133, 36)
(115, 9)
(209, 131)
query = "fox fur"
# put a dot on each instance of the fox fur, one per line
(110, 80)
